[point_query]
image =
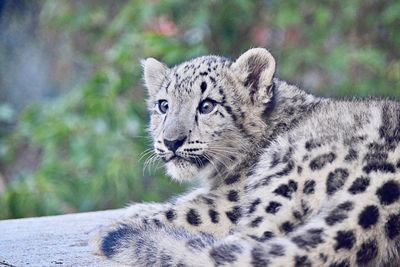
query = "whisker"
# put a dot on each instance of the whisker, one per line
(223, 154)
(145, 153)
(230, 149)
(219, 160)
(149, 162)
(213, 164)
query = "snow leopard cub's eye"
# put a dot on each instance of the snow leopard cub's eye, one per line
(163, 106)
(207, 106)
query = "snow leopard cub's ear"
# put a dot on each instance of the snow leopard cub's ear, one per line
(154, 73)
(255, 70)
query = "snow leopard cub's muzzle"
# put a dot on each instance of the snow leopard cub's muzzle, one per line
(181, 151)
(178, 148)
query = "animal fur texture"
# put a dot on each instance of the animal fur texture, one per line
(288, 178)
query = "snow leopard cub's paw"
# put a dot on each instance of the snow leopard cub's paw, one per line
(119, 241)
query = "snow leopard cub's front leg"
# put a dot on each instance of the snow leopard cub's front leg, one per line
(214, 212)
(206, 214)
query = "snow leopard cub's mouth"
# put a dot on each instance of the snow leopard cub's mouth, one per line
(198, 160)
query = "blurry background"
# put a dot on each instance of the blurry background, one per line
(72, 109)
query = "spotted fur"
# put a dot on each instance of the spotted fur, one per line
(289, 179)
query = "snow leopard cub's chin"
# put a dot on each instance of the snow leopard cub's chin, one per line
(184, 171)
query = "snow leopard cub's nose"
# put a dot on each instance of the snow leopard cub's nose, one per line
(174, 144)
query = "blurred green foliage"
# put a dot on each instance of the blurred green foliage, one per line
(82, 151)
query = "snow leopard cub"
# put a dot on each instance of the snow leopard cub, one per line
(289, 179)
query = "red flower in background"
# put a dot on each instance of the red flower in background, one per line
(164, 26)
(260, 35)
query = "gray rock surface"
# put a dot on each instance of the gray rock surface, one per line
(53, 241)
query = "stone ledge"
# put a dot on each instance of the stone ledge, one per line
(53, 240)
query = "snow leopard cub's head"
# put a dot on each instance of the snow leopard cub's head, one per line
(206, 112)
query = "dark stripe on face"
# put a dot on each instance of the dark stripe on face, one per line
(238, 125)
(203, 86)
(225, 106)
(167, 86)
(212, 79)
(229, 110)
